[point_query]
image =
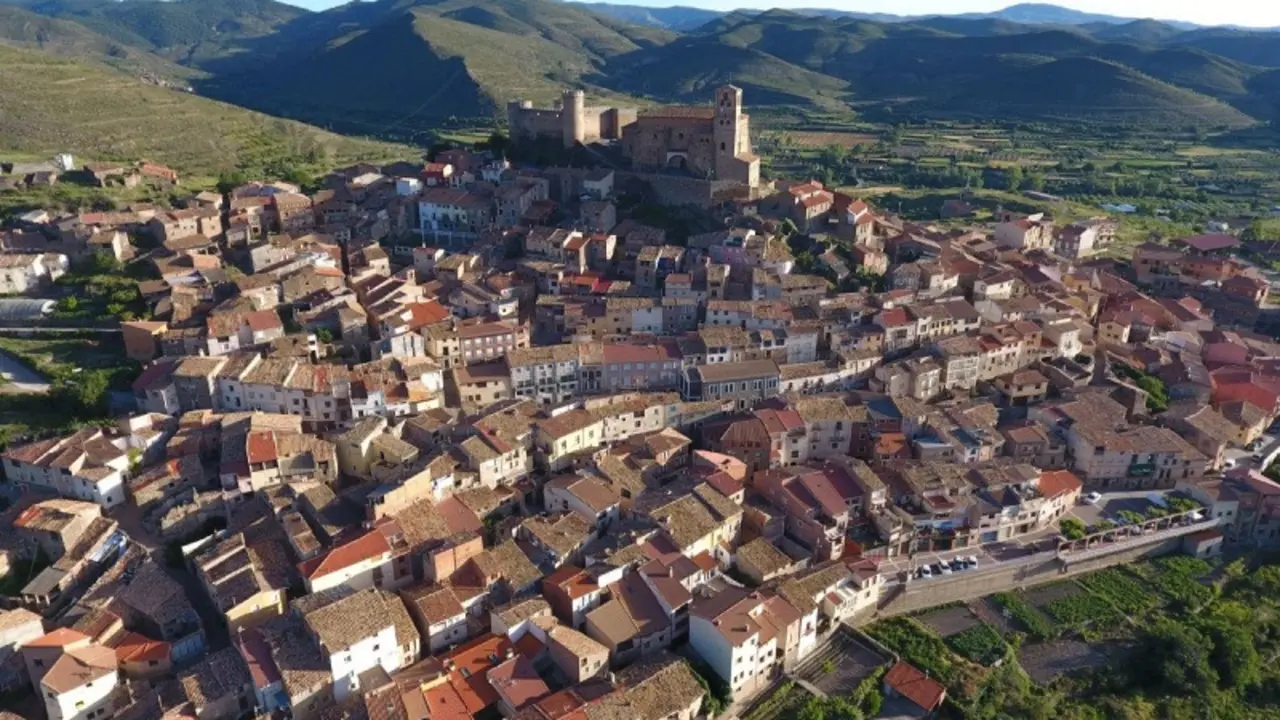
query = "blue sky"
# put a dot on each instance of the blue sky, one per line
(1255, 13)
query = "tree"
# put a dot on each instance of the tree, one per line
(1235, 656)
(897, 135)
(498, 143)
(102, 262)
(83, 394)
(1157, 394)
(1013, 177)
(324, 335)
(231, 179)
(1176, 659)
(1072, 528)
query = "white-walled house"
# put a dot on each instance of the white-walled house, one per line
(74, 676)
(357, 631)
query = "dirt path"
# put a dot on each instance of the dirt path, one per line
(19, 378)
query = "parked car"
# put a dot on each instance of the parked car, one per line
(924, 573)
(958, 564)
(1092, 498)
(941, 569)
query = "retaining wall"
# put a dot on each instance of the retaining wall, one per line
(917, 595)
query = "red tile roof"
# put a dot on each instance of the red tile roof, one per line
(1060, 482)
(907, 681)
(626, 352)
(59, 638)
(895, 317)
(776, 421)
(366, 547)
(517, 682)
(140, 648)
(1207, 243)
(724, 483)
(704, 561)
(261, 447)
(262, 320)
(473, 690)
(426, 313)
(257, 655)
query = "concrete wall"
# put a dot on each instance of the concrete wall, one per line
(971, 584)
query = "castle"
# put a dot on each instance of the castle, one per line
(708, 142)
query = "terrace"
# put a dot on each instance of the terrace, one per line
(1124, 537)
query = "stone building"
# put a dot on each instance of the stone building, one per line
(709, 142)
(572, 120)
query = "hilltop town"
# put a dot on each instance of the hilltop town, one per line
(464, 438)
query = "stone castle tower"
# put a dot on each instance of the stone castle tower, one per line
(730, 131)
(573, 117)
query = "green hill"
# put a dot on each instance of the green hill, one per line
(1089, 89)
(1146, 32)
(402, 65)
(186, 31)
(691, 70)
(1252, 47)
(50, 105)
(63, 38)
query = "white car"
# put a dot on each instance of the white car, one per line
(971, 561)
(1092, 498)
(925, 573)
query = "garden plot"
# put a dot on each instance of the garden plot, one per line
(1069, 605)
(1047, 661)
(840, 664)
(979, 643)
(783, 701)
(1179, 579)
(989, 611)
(949, 621)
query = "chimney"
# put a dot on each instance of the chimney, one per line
(510, 653)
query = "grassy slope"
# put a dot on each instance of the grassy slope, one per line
(53, 105)
(63, 38)
(182, 30)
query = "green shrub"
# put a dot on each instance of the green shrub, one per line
(1125, 593)
(916, 645)
(1083, 610)
(980, 643)
(1035, 624)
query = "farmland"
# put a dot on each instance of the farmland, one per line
(1065, 649)
(1175, 184)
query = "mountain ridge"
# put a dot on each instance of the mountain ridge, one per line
(398, 68)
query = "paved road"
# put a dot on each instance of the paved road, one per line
(20, 378)
(37, 330)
